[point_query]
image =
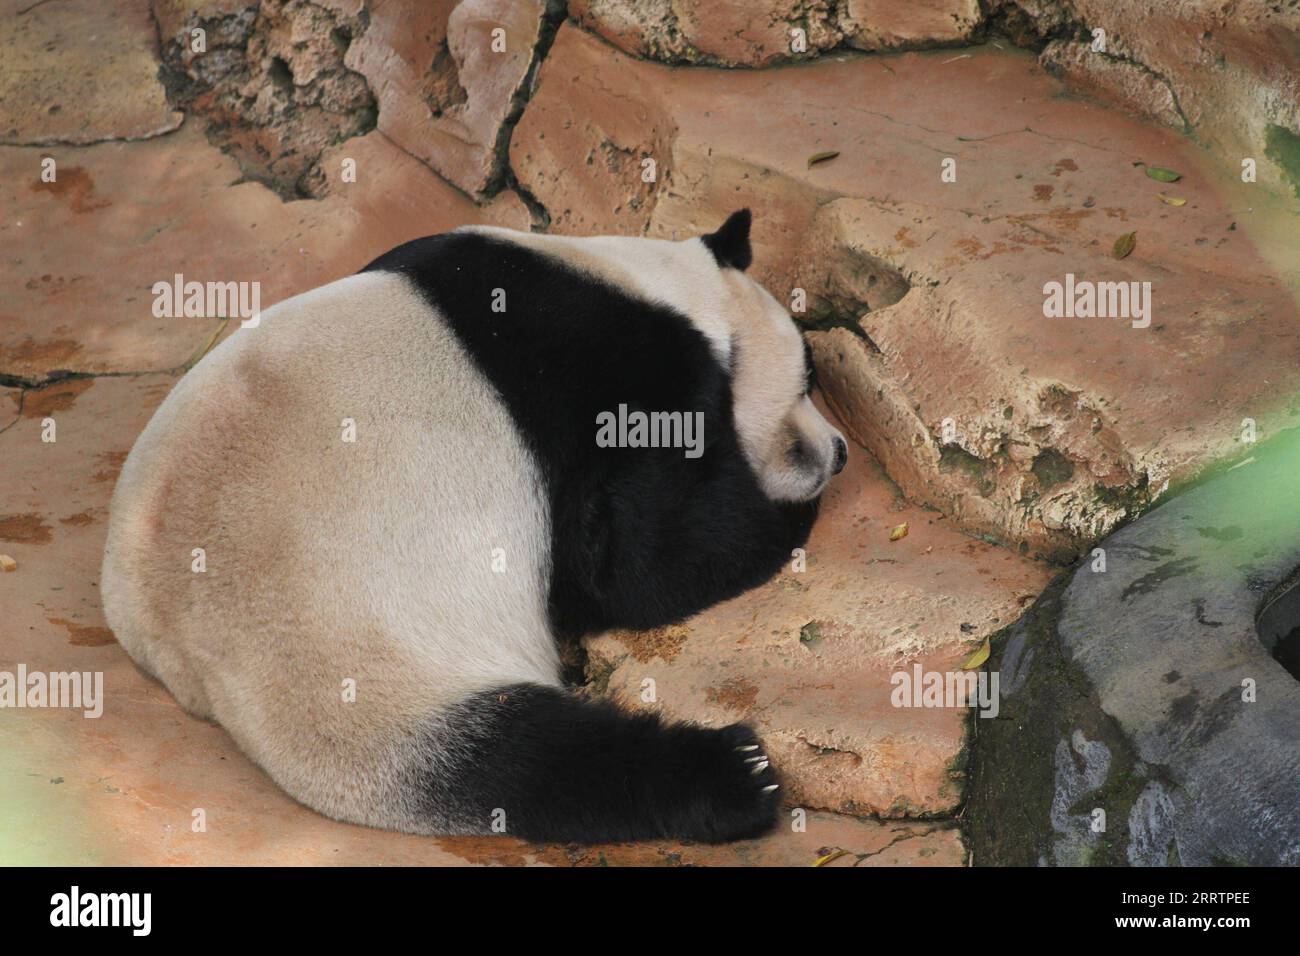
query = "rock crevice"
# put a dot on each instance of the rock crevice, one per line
(268, 79)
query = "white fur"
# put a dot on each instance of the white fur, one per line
(369, 561)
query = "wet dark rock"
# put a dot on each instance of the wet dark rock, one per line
(1147, 716)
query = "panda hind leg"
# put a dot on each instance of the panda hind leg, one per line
(541, 764)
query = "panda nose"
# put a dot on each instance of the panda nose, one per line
(841, 456)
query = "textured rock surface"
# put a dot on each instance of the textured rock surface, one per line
(1227, 74)
(748, 33)
(1122, 82)
(1224, 73)
(269, 81)
(1057, 428)
(593, 113)
(448, 88)
(49, 95)
(153, 209)
(1140, 687)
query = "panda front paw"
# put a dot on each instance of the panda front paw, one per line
(740, 794)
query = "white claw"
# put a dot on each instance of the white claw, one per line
(755, 759)
(770, 787)
(747, 748)
(759, 768)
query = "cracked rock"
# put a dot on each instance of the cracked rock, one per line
(1227, 74)
(269, 79)
(451, 78)
(761, 33)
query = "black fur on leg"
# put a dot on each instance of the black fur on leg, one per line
(574, 771)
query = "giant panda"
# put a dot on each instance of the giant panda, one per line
(353, 534)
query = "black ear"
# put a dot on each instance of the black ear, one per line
(730, 244)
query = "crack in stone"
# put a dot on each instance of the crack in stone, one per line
(503, 176)
(8, 380)
(70, 144)
(1031, 130)
(1188, 126)
(907, 834)
(902, 837)
(38, 3)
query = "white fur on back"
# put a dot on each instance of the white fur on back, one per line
(328, 561)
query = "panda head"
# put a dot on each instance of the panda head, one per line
(793, 450)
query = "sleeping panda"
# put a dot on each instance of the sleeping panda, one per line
(353, 534)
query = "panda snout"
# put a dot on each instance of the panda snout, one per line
(839, 455)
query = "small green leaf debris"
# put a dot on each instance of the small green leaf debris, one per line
(978, 658)
(1162, 175)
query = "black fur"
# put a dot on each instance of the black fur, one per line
(730, 244)
(568, 770)
(641, 537)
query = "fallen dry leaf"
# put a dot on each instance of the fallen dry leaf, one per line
(833, 855)
(7, 563)
(1124, 245)
(978, 658)
(1171, 200)
(824, 157)
(899, 532)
